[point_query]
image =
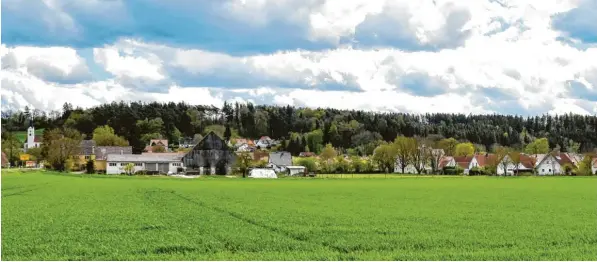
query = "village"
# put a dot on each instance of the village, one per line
(260, 158)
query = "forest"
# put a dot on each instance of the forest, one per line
(308, 129)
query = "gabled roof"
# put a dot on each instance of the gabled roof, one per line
(463, 161)
(563, 159)
(280, 158)
(37, 139)
(102, 152)
(486, 159)
(161, 142)
(444, 161)
(87, 147)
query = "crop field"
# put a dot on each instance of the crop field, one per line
(49, 216)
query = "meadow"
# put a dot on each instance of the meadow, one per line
(50, 216)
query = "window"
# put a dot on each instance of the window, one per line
(550, 170)
(138, 164)
(543, 170)
(176, 164)
(112, 164)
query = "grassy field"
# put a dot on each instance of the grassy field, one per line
(48, 216)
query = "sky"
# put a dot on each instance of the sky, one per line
(526, 57)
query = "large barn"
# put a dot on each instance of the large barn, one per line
(210, 156)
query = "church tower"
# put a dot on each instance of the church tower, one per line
(30, 135)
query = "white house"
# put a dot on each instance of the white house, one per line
(165, 163)
(410, 168)
(554, 165)
(525, 165)
(264, 142)
(594, 167)
(33, 141)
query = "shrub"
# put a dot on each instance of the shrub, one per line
(90, 167)
(307, 162)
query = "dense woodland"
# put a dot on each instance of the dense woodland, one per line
(304, 129)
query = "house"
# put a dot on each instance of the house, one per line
(162, 163)
(244, 145)
(594, 166)
(210, 156)
(279, 161)
(307, 154)
(186, 142)
(33, 141)
(4, 160)
(555, 164)
(86, 153)
(466, 163)
(102, 152)
(408, 169)
(157, 142)
(264, 142)
(526, 165)
(446, 161)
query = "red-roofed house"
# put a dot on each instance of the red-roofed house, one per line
(466, 162)
(526, 165)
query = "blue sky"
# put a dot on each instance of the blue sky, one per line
(477, 56)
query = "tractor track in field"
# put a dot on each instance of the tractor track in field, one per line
(27, 189)
(261, 225)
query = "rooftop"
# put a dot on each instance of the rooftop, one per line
(144, 158)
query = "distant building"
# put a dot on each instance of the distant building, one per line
(33, 141)
(4, 160)
(86, 153)
(162, 163)
(307, 154)
(210, 156)
(157, 142)
(279, 161)
(102, 152)
(264, 142)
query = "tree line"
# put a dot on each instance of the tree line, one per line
(354, 132)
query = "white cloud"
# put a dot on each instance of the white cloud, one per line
(60, 64)
(128, 65)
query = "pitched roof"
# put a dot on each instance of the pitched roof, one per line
(280, 158)
(102, 152)
(563, 159)
(486, 159)
(163, 142)
(265, 138)
(463, 161)
(87, 147)
(527, 161)
(144, 158)
(37, 139)
(444, 161)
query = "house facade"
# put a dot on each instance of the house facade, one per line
(162, 163)
(211, 155)
(86, 153)
(555, 164)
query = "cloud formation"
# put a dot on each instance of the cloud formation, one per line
(513, 57)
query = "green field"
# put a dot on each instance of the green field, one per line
(48, 216)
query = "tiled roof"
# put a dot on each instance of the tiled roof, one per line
(486, 159)
(563, 159)
(445, 161)
(463, 161)
(37, 139)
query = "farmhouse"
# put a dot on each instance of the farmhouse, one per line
(157, 142)
(162, 163)
(210, 156)
(279, 161)
(555, 164)
(102, 152)
(466, 163)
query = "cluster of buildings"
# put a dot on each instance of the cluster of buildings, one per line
(543, 164)
(248, 145)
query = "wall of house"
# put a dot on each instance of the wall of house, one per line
(510, 168)
(119, 168)
(547, 167)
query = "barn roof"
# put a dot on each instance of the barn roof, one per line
(280, 158)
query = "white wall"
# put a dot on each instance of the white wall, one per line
(548, 165)
(119, 168)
